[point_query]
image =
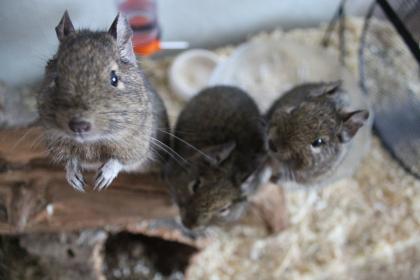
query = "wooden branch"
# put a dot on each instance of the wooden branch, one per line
(34, 196)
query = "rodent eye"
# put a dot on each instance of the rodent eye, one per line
(224, 211)
(318, 143)
(114, 78)
(194, 185)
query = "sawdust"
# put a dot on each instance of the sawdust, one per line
(338, 232)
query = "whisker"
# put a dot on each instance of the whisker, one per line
(125, 122)
(188, 144)
(22, 138)
(36, 141)
(156, 154)
(170, 155)
(135, 112)
(177, 157)
(166, 148)
(135, 122)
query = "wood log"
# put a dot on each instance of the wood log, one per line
(35, 197)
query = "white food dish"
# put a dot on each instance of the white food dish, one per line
(190, 72)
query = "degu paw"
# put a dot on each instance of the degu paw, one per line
(74, 177)
(107, 173)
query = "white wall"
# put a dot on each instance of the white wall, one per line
(211, 22)
(27, 36)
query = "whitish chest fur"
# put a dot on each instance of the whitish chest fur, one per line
(129, 149)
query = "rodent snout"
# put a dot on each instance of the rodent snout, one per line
(189, 224)
(189, 220)
(79, 126)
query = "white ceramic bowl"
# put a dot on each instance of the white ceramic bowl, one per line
(191, 71)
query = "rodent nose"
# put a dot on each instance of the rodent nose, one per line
(188, 221)
(189, 224)
(79, 125)
(193, 226)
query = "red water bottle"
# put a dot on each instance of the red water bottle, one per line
(142, 16)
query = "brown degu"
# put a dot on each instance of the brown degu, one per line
(309, 133)
(97, 108)
(220, 136)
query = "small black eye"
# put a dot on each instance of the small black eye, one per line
(114, 79)
(271, 146)
(318, 143)
(224, 211)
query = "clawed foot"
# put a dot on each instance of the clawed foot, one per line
(107, 174)
(74, 176)
(104, 177)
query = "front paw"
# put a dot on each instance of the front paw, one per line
(74, 177)
(106, 174)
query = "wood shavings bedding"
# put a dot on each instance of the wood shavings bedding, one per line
(364, 227)
(345, 231)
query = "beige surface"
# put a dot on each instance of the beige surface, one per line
(364, 227)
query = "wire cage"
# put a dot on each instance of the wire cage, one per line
(389, 72)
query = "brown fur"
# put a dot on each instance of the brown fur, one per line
(77, 85)
(303, 115)
(225, 124)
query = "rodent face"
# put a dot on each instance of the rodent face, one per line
(203, 191)
(91, 90)
(82, 87)
(309, 140)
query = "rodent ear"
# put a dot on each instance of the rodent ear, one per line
(64, 27)
(325, 89)
(351, 123)
(120, 29)
(288, 109)
(219, 153)
(332, 87)
(283, 111)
